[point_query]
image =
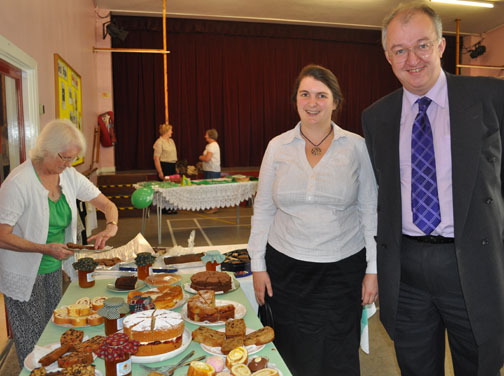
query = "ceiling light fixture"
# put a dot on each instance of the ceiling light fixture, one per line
(464, 2)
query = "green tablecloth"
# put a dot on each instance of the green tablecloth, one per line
(53, 332)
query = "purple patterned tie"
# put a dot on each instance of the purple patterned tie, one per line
(424, 192)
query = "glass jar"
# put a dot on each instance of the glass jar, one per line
(119, 367)
(86, 279)
(144, 271)
(211, 266)
(114, 325)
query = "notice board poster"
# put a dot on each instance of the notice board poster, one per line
(68, 87)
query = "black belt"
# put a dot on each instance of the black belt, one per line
(431, 239)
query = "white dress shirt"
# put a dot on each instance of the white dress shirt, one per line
(320, 214)
(439, 118)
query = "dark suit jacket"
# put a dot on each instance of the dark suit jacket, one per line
(477, 134)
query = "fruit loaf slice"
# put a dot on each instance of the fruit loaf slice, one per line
(75, 358)
(235, 328)
(53, 356)
(209, 337)
(260, 337)
(231, 344)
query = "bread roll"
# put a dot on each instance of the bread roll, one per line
(237, 356)
(198, 368)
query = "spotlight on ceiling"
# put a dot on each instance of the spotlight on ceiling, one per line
(463, 2)
(108, 28)
(477, 51)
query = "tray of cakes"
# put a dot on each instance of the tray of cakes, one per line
(204, 309)
(80, 314)
(236, 363)
(220, 282)
(74, 353)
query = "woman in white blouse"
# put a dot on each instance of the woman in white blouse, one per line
(312, 239)
(165, 152)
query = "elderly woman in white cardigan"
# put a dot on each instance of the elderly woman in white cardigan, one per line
(38, 216)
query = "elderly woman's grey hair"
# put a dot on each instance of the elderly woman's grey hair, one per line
(405, 11)
(58, 136)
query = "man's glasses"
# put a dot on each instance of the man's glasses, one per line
(422, 50)
(67, 159)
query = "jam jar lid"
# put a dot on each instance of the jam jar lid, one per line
(113, 308)
(116, 347)
(213, 256)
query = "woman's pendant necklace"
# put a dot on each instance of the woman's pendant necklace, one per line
(315, 149)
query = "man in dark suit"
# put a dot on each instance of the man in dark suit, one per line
(436, 146)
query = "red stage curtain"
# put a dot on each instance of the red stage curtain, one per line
(236, 77)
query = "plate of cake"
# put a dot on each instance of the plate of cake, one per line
(80, 314)
(160, 332)
(126, 284)
(73, 350)
(220, 282)
(163, 297)
(204, 309)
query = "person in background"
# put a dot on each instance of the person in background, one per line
(311, 242)
(38, 216)
(211, 159)
(436, 146)
(165, 156)
(165, 152)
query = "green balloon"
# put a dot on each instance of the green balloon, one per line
(142, 198)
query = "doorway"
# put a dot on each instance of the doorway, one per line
(12, 133)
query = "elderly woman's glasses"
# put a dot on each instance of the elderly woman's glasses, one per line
(67, 159)
(422, 50)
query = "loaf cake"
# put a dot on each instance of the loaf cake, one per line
(91, 345)
(75, 358)
(210, 280)
(71, 337)
(260, 336)
(235, 328)
(231, 343)
(158, 330)
(202, 307)
(208, 336)
(126, 283)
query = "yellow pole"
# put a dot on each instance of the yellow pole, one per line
(457, 51)
(165, 64)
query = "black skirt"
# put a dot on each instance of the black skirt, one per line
(317, 311)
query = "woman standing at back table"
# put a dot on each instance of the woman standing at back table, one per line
(311, 243)
(38, 216)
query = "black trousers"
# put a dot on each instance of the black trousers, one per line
(168, 168)
(316, 312)
(430, 304)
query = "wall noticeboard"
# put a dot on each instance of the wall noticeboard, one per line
(68, 86)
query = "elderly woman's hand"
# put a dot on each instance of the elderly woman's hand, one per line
(58, 251)
(102, 237)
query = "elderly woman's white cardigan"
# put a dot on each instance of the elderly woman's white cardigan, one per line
(24, 205)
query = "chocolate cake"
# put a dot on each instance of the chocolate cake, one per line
(126, 283)
(210, 280)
